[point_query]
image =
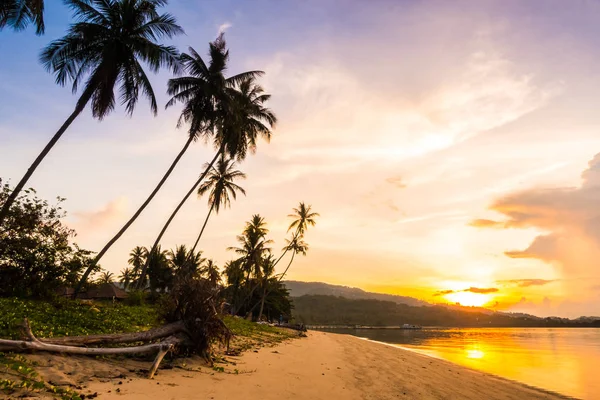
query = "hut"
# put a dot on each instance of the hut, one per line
(105, 291)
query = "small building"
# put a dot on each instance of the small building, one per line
(105, 291)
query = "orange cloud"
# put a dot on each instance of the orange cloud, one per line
(481, 290)
(93, 220)
(487, 223)
(526, 282)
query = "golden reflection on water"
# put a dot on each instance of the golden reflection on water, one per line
(562, 360)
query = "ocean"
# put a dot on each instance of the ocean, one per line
(563, 360)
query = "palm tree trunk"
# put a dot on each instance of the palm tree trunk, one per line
(187, 195)
(279, 280)
(81, 103)
(202, 230)
(288, 267)
(262, 303)
(133, 218)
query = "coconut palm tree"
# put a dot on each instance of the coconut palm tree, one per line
(303, 218)
(220, 184)
(18, 14)
(185, 263)
(127, 276)
(105, 277)
(211, 271)
(105, 47)
(160, 272)
(253, 245)
(137, 258)
(235, 115)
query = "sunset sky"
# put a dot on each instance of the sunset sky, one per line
(450, 147)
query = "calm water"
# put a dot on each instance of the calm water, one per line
(563, 360)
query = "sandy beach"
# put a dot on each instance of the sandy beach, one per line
(322, 366)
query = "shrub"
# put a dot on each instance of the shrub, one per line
(36, 253)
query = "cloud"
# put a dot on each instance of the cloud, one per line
(87, 221)
(569, 217)
(487, 223)
(481, 290)
(471, 289)
(223, 27)
(396, 181)
(526, 282)
(443, 292)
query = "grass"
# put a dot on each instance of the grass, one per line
(249, 335)
(72, 318)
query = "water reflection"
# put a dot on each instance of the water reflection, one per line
(562, 359)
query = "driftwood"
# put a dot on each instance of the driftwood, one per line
(34, 343)
(147, 336)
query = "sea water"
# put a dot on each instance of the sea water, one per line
(564, 360)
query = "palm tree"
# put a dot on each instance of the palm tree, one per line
(221, 187)
(19, 13)
(185, 263)
(107, 44)
(127, 276)
(213, 104)
(105, 277)
(211, 271)
(268, 269)
(160, 273)
(137, 258)
(253, 245)
(304, 218)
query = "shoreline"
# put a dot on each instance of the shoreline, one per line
(422, 354)
(322, 366)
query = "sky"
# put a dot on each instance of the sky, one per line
(452, 148)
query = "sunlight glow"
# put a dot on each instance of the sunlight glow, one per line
(475, 354)
(468, 299)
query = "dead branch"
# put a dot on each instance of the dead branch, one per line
(146, 336)
(35, 344)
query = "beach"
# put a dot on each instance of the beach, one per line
(321, 366)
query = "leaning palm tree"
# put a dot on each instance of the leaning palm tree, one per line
(105, 47)
(303, 218)
(126, 277)
(233, 111)
(221, 187)
(18, 14)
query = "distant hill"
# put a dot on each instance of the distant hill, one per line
(336, 310)
(298, 289)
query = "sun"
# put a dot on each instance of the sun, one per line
(468, 299)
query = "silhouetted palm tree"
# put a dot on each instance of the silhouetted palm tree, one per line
(106, 45)
(137, 258)
(304, 218)
(253, 245)
(214, 105)
(18, 14)
(211, 272)
(160, 273)
(221, 187)
(127, 277)
(185, 263)
(105, 277)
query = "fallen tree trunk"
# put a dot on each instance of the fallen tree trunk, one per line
(34, 343)
(147, 336)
